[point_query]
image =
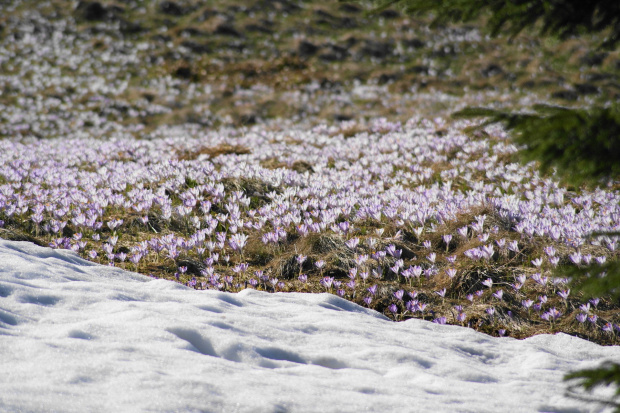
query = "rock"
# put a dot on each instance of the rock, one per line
(389, 14)
(91, 10)
(565, 94)
(587, 89)
(196, 47)
(414, 43)
(247, 119)
(350, 8)
(379, 50)
(340, 117)
(193, 32)
(193, 266)
(593, 59)
(183, 72)
(387, 78)
(226, 29)
(418, 69)
(163, 38)
(129, 27)
(491, 70)
(171, 8)
(307, 49)
(254, 28)
(281, 6)
(324, 14)
(335, 54)
(207, 14)
(597, 77)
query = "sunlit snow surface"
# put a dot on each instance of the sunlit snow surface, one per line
(75, 336)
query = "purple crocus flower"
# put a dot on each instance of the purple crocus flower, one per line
(537, 262)
(440, 320)
(564, 294)
(527, 304)
(499, 294)
(327, 282)
(431, 257)
(399, 294)
(367, 300)
(393, 309)
(353, 243)
(441, 293)
(581, 317)
(372, 289)
(303, 278)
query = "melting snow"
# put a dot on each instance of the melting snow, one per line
(76, 336)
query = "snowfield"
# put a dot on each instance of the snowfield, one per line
(76, 337)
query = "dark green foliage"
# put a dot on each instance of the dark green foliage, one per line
(563, 18)
(582, 144)
(595, 280)
(606, 375)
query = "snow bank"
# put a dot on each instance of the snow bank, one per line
(75, 336)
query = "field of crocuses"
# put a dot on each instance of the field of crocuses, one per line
(418, 218)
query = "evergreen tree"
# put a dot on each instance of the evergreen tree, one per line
(582, 145)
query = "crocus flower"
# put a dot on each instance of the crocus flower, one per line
(327, 282)
(431, 257)
(564, 294)
(537, 262)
